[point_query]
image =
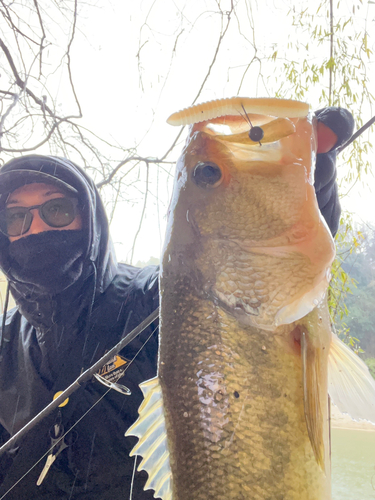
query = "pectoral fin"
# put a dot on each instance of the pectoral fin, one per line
(152, 444)
(313, 405)
(350, 384)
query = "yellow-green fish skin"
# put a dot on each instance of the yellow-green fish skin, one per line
(245, 417)
(233, 399)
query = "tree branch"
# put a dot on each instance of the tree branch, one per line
(43, 37)
(222, 35)
(124, 162)
(68, 56)
(46, 139)
(5, 115)
(20, 82)
(8, 18)
(142, 216)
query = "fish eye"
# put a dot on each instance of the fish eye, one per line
(207, 175)
(256, 134)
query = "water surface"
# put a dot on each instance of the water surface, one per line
(353, 464)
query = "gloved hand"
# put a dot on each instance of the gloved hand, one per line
(335, 127)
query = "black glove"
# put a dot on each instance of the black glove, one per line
(341, 123)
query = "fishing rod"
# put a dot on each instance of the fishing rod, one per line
(357, 134)
(83, 378)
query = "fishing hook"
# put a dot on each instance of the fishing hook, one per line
(256, 133)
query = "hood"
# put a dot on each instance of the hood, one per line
(99, 263)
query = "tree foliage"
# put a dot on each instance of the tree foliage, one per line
(340, 77)
(359, 264)
(162, 55)
(370, 362)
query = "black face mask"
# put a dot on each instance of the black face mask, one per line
(50, 261)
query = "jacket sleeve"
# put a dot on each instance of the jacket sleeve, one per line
(341, 122)
(130, 299)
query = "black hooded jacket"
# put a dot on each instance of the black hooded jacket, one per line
(54, 334)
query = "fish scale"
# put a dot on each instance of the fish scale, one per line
(239, 409)
(237, 422)
(247, 433)
(246, 284)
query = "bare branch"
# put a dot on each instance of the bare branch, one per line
(13, 94)
(114, 171)
(19, 81)
(33, 148)
(15, 28)
(6, 114)
(42, 39)
(222, 35)
(172, 146)
(68, 56)
(142, 216)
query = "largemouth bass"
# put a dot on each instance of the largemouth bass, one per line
(239, 409)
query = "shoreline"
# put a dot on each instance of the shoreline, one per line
(352, 428)
(341, 421)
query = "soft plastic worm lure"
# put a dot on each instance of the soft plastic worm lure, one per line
(279, 108)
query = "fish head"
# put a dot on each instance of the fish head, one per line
(244, 218)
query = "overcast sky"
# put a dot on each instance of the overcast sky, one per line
(129, 97)
(136, 62)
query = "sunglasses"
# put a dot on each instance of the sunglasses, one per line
(58, 212)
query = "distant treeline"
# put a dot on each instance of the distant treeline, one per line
(359, 264)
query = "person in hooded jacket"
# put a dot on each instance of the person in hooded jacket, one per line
(74, 303)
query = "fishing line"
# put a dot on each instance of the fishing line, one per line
(256, 133)
(5, 310)
(83, 378)
(133, 475)
(52, 447)
(77, 422)
(140, 349)
(89, 312)
(119, 387)
(89, 464)
(136, 457)
(246, 117)
(74, 483)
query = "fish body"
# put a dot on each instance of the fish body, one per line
(234, 408)
(238, 255)
(241, 393)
